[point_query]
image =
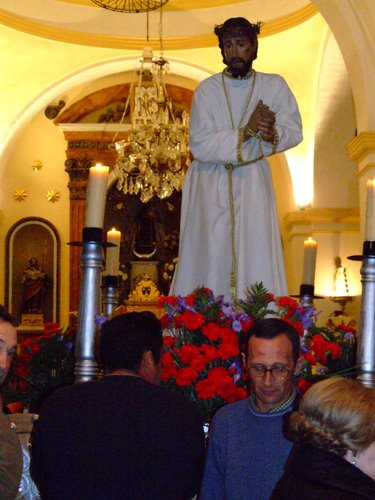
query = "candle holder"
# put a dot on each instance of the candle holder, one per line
(110, 288)
(306, 298)
(92, 259)
(366, 333)
(306, 295)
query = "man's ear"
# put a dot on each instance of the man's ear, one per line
(147, 362)
(243, 358)
(299, 365)
(148, 368)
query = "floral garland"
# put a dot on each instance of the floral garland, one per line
(203, 340)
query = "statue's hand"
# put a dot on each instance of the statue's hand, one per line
(262, 120)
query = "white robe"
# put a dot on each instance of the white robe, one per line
(205, 254)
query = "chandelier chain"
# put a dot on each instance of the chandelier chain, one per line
(160, 27)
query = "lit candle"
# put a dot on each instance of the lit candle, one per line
(309, 261)
(370, 211)
(113, 253)
(96, 196)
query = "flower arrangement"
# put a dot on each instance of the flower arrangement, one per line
(202, 356)
(204, 335)
(327, 352)
(203, 340)
(42, 364)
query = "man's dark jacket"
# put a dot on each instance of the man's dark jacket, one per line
(314, 474)
(118, 438)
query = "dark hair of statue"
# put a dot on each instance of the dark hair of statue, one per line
(125, 338)
(7, 317)
(247, 29)
(269, 328)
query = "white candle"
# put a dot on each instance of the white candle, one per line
(370, 211)
(309, 261)
(96, 196)
(113, 253)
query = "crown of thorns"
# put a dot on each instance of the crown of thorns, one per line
(239, 24)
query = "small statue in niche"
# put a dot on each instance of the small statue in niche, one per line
(148, 234)
(34, 287)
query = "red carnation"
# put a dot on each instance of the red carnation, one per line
(164, 320)
(246, 325)
(226, 351)
(303, 385)
(167, 300)
(288, 302)
(218, 373)
(310, 358)
(188, 353)
(229, 336)
(210, 351)
(169, 341)
(169, 368)
(186, 376)
(191, 320)
(335, 350)
(205, 389)
(320, 348)
(229, 391)
(190, 299)
(199, 363)
(212, 331)
(346, 328)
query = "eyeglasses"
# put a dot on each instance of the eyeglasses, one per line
(277, 372)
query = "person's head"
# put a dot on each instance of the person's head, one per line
(271, 355)
(8, 341)
(33, 262)
(238, 42)
(132, 342)
(338, 415)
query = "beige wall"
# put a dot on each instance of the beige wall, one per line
(36, 71)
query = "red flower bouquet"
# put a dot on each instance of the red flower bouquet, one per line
(202, 356)
(328, 351)
(42, 364)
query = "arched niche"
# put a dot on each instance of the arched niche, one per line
(33, 238)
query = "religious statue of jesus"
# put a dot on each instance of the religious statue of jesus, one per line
(229, 232)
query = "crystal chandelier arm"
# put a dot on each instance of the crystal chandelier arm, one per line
(125, 111)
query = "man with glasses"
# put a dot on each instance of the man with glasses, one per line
(247, 447)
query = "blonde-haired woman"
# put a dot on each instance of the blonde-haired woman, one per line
(335, 454)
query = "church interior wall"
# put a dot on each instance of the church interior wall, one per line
(25, 78)
(43, 141)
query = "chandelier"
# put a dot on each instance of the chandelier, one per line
(130, 5)
(153, 159)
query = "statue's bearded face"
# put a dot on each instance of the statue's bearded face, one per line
(239, 52)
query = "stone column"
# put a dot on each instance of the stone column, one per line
(78, 170)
